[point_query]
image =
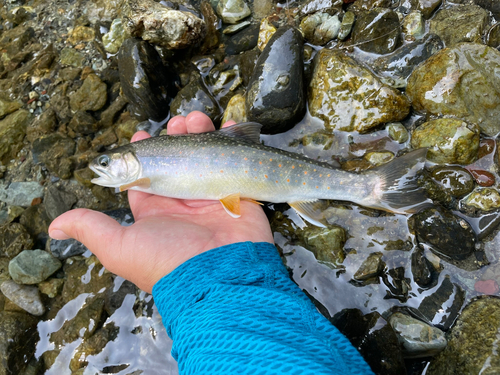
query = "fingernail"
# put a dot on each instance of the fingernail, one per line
(58, 234)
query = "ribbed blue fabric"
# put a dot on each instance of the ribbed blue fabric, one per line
(234, 310)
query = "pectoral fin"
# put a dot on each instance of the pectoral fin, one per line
(144, 182)
(231, 204)
(309, 211)
(252, 201)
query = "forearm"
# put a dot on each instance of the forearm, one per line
(235, 310)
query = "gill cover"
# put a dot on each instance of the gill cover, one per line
(116, 168)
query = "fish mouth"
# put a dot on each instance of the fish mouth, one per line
(104, 179)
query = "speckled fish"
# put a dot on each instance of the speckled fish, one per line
(231, 164)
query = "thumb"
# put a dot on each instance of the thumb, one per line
(97, 231)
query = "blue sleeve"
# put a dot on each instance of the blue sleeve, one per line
(234, 310)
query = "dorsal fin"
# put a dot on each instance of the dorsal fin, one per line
(249, 131)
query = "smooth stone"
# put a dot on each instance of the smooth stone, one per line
(51, 287)
(195, 97)
(486, 199)
(92, 96)
(422, 270)
(320, 28)
(327, 244)
(25, 296)
(397, 131)
(21, 193)
(347, 96)
(426, 7)
(115, 37)
(63, 249)
(455, 181)
(346, 25)
(81, 34)
(266, 31)
(232, 11)
(244, 40)
(162, 26)
(235, 110)
(448, 141)
(146, 83)
(83, 123)
(33, 266)
(418, 338)
(275, 94)
(413, 25)
(492, 38)
(12, 131)
(370, 268)
(472, 342)
(14, 238)
(235, 28)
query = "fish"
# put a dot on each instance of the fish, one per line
(231, 165)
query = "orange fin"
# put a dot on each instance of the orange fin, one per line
(144, 182)
(231, 204)
(252, 201)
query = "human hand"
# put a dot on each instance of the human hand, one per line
(167, 231)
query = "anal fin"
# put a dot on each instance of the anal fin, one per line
(231, 204)
(309, 211)
(144, 182)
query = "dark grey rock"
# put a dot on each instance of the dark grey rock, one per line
(63, 249)
(54, 151)
(58, 201)
(21, 193)
(424, 273)
(14, 238)
(243, 41)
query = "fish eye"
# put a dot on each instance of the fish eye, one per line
(103, 161)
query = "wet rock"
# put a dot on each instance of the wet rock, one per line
(162, 26)
(33, 266)
(4, 269)
(235, 110)
(12, 131)
(377, 31)
(51, 287)
(18, 336)
(54, 151)
(374, 338)
(462, 23)
(417, 338)
(25, 296)
(83, 123)
(92, 96)
(111, 114)
(275, 94)
(115, 37)
(397, 132)
(266, 31)
(36, 222)
(146, 83)
(482, 177)
(70, 56)
(413, 25)
(371, 268)
(378, 158)
(426, 7)
(346, 25)
(58, 201)
(21, 193)
(327, 244)
(104, 10)
(114, 298)
(472, 341)
(69, 73)
(448, 141)
(447, 235)
(44, 124)
(81, 34)
(442, 307)
(63, 249)
(195, 97)
(245, 40)
(486, 199)
(489, 287)
(9, 106)
(232, 11)
(398, 285)
(455, 181)
(313, 6)
(14, 238)
(458, 81)
(235, 28)
(423, 271)
(212, 36)
(320, 28)
(347, 96)
(396, 67)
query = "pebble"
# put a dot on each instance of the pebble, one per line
(33, 266)
(25, 296)
(486, 199)
(232, 11)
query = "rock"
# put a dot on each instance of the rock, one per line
(447, 235)
(235, 110)
(320, 28)
(455, 181)
(104, 10)
(266, 31)
(24, 296)
(371, 268)
(417, 338)
(114, 297)
(9, 106)
(159, 25)
(21, 193)
(18, 336)
(147, 85)
(347, 96)
(443, 306)
(232, 11)
(81, 34)
(413, 25)
(472, 341)
(275, 94)
(111, 114)
(116, 35)
(397, 132)
(491, 5)
(44, 124)
(212, 37)
(448, 141)
(36, 221)
(398, 285)
(70, 56)
(327, 244)
(313, 6)
(12, 131)
(461, 23)
(195, 97)
(92, 96)
(376, 31)
(424, 273)
(54, 151)
(458, 81)
(70, 73)
(486, 199)
(378, 158)
(51, 287)
(63, 249)
(83, 123)
(58, 201)
(487, 287)
(243, 41)
(396, 67)
(374, 338)
(4, 269)
(426, 7)
(33, 266)
(346, 25)
(14, 238)
(233, 29)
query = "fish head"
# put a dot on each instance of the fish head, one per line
(116, 168)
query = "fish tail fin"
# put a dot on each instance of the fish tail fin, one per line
(396, 188)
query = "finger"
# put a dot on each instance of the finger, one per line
(97, 231)
(198, 122)
(177, 125)
(229, 123)
(139, 136)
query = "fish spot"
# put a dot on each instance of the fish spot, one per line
(265, 175)
(246, 171)
(255, 169)
(314, 170)
(303, 183)
(276, 181)
(260, 162)
(221, 171)
(328, 175)
(279, 165)
(320, 175)
(328, 187)
(287, 180)
(293, 166)
(305, 172)
(201, 175)
(316, 187)
(245, 159)
(270, 159)
(222, 155)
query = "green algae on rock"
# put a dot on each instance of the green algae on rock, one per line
(320, 28)
(486, 199)
(33, 266)
(448, 140)
(347, 96)
(461, 82)
(92, 96)
(327, 244)
(12, 131)
(454, 181)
